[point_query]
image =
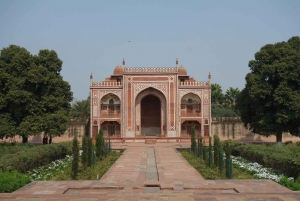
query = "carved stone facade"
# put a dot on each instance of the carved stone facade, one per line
(138, 102)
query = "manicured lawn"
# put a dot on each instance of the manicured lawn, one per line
(212, 173)
(90, 173)
(242, 169)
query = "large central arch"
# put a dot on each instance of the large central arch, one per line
(150, 98)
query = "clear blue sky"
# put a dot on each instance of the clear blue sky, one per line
(219, 37)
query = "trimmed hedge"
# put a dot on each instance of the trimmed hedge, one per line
(284, 158)
(9, 148)
(34, 157)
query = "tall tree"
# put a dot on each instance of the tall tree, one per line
(231, 97)
(217, 97)
(34, 98)
(270, 101)
(100, 144)
(75, 161)
(193, 141)
(220, 105)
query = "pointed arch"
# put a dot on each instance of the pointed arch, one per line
(140, 97)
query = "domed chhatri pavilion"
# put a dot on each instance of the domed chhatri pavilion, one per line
(161, 103)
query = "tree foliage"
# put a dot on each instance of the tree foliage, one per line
(89, 151)
(270, 101)
(75, 161)
(84, 154)
(81, 108)
(217, 149)
(100, 145)
(223, 105)
(193, 140)
(217, 96)
(231, 98)
(34, 98)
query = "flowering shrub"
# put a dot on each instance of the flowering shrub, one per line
(49, 171)
(256, 170)
(284, 158)
(260, 172)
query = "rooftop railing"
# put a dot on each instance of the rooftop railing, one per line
(106, 84)
(194, 84)
(151, 70)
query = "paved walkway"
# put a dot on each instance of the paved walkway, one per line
(152, 172)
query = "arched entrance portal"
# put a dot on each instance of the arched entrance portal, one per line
(150, 116)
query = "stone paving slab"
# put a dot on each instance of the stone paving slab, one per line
(177, 180)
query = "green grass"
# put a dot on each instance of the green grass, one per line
(211, 173)
(90, 173)
(291, 184)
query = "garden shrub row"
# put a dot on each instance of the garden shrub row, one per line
(34, 157)
(284, 158)
(9, 148)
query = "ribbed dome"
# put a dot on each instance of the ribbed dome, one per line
(118, 70)
(181, 71)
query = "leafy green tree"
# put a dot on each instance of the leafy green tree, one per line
(34, 98)
(75, 161)
(270, 102)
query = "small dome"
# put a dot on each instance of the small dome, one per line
(181, 71)
(118, 70)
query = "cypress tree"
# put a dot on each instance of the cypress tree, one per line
(102, 145)
(193, 140)
(84, 152)
(228, 149)
(217, 149)
(210, 153)
(75, 161)
(200, 148)
(109, 144)
(98, 145)
(89, 151)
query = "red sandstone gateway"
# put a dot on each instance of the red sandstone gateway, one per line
(139, 103)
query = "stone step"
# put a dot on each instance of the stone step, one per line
(150, 141)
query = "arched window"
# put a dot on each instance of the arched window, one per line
(110, 105)
(190, 105)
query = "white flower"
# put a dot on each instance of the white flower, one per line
(260, 171)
